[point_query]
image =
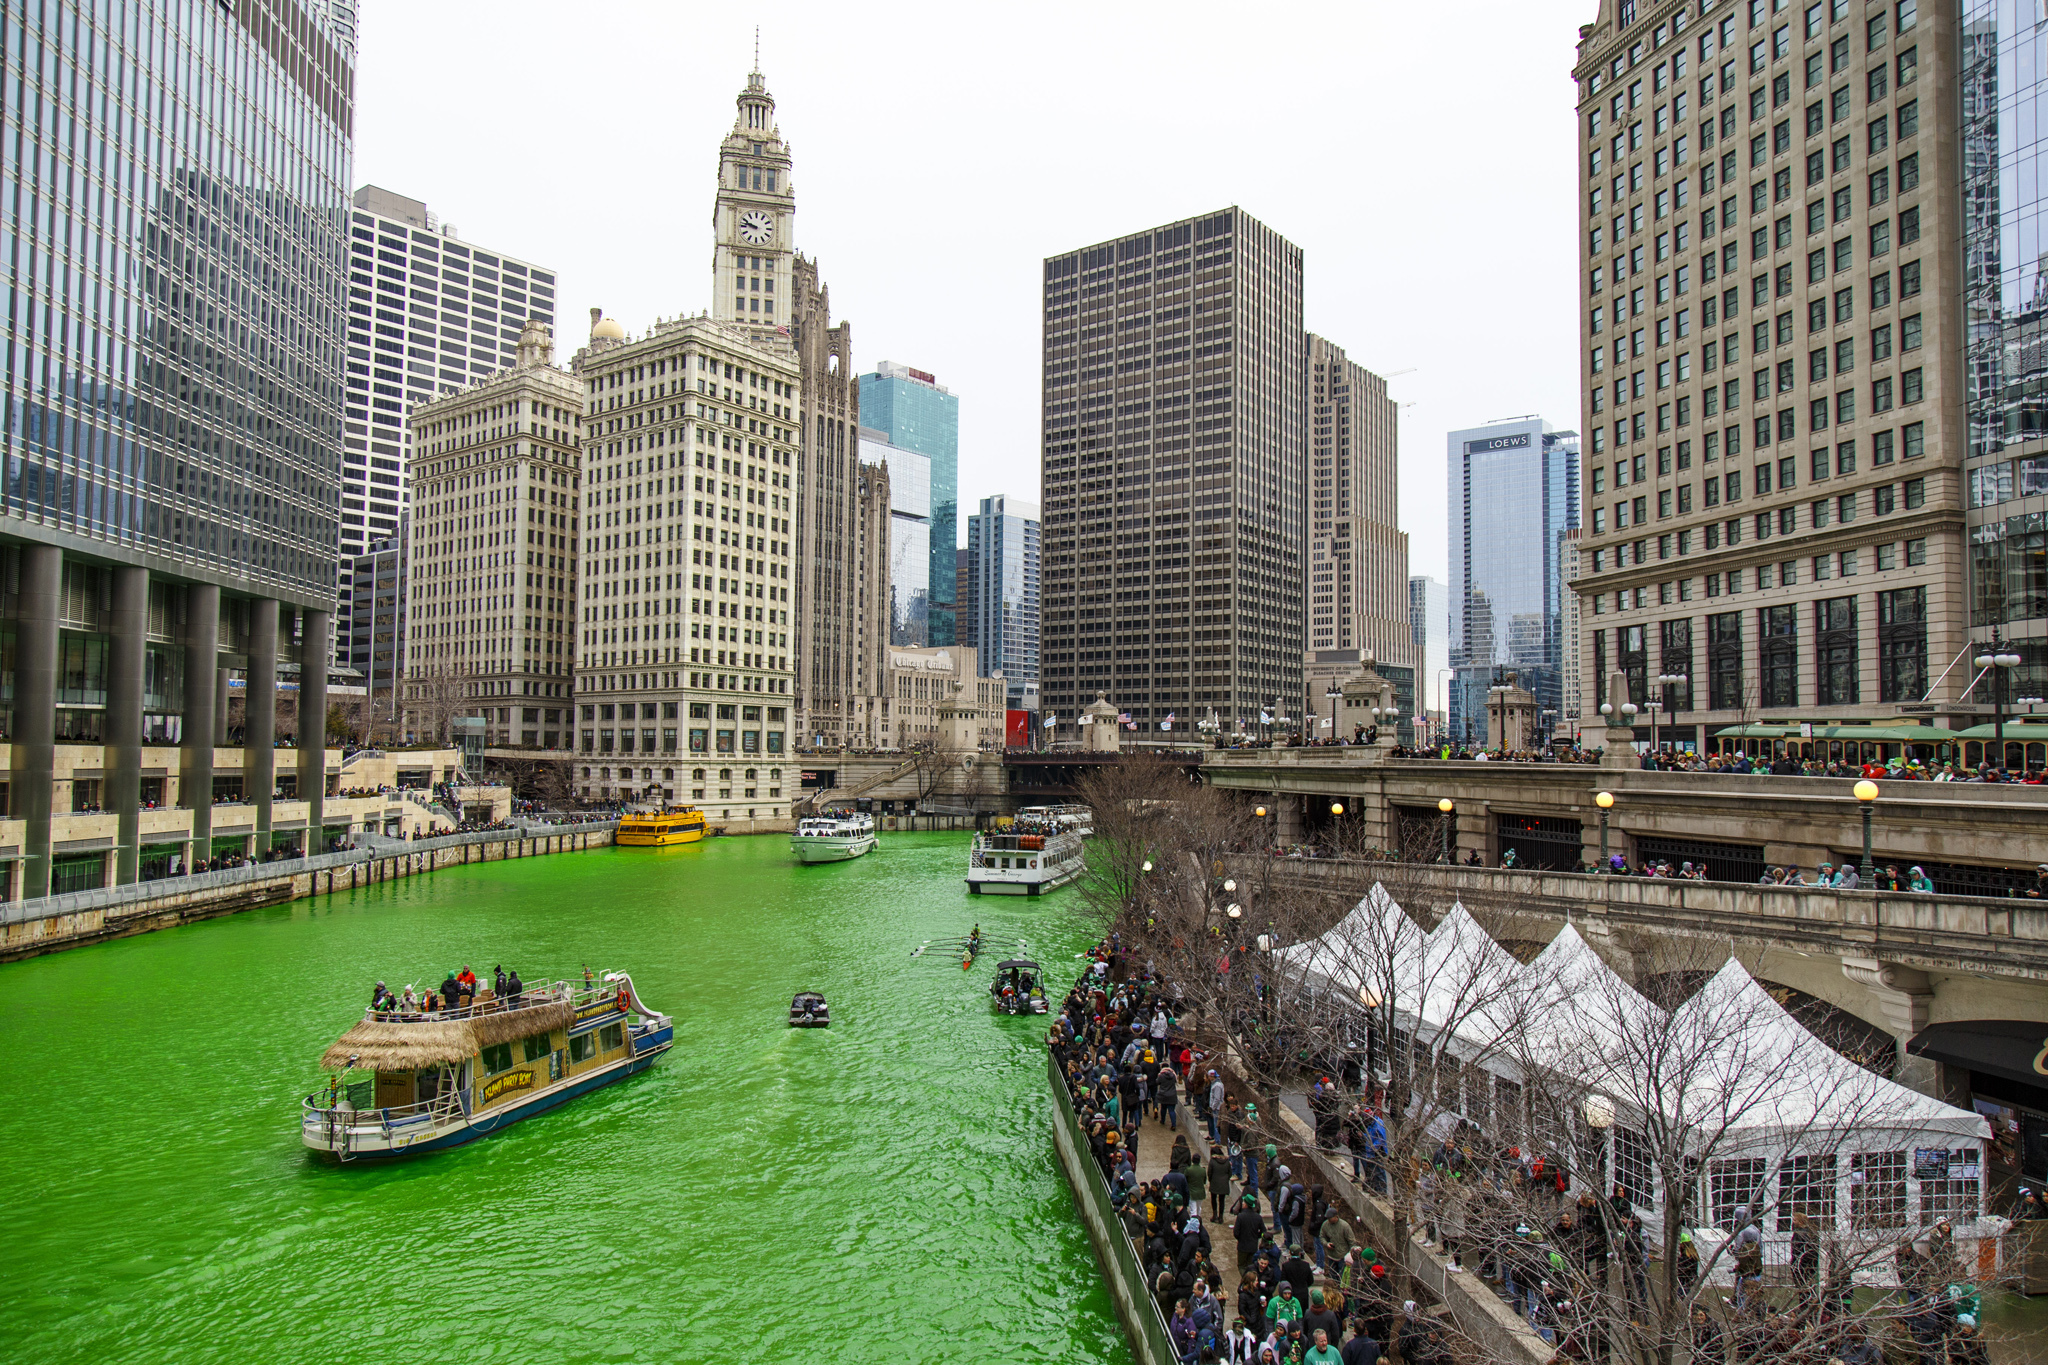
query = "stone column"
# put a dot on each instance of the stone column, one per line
(205, 694)
(1289, 831)
(35, 711)
(313, 657)
(124, 718)
(1903, 996)
(259, 717)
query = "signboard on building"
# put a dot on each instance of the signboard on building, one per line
(1519, 441)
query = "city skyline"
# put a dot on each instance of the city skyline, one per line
(889, 259)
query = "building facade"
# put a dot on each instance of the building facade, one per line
(493, 550)
(1174, 475)
(1357, 589)
(913, 411)
(1001, 594)
(172, 424)
(375, 648)
(1775, 460)
(921, 680)
(910, 535)
(427, 315)
(1514, 492)
(688, 562)
(1429, 628)
(2004, 73)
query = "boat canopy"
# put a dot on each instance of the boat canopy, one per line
(1022, 963)
(399, 1045)
(1873, 734)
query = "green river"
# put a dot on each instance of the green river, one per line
(883, 1191)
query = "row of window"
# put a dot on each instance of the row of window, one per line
(701, 741)
(1819, 569)
(1835, 652)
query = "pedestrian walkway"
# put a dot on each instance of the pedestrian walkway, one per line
(1155, 1148)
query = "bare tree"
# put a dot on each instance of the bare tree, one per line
(434, 695)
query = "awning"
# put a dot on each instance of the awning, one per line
(2016, 1049)
(1869, 734)
(2014, 730)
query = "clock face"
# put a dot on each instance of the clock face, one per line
(756, 227)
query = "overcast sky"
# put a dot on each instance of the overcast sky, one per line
(1421, 155)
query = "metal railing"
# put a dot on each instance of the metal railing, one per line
(376, 846)
(1093, 1191)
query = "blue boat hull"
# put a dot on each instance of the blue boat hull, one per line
(646, 1048)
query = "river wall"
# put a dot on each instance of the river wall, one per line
(1121, 1271)
(53, 923)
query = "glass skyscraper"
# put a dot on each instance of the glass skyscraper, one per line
(912, 411)
(1514, 490)
(1000, 603)
(175, 193)
(2004, 60)
(910, 536)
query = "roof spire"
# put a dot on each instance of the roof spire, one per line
(757, 49)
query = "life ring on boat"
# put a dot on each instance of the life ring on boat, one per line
(622, 997)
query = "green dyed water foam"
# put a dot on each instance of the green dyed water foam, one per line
(883, 1191)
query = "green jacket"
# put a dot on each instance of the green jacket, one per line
(1198, 1181)
(1283, 1308)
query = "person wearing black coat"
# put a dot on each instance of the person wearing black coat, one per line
(1361, 1349)
(1248, 1230)
(1298, 1272)
(1219, 1183)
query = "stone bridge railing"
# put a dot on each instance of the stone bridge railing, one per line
(1978, 935)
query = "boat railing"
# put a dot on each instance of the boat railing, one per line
(529, 998)
(451, 1104)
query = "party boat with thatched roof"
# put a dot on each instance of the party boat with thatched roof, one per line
(414, 1081)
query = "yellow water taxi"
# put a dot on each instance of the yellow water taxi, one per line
(659, 829)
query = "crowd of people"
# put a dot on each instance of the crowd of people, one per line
(1309, 1290)
(459, 990)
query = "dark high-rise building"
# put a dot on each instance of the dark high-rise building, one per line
(178, 187)
(1174, 475)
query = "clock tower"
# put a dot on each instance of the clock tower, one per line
(754, 222)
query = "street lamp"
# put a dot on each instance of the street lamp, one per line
(1669, 681)
(1605, 801)
(1235, 911)
(1996, 658)
(1336, 808)
(1866, 795)
(1333, 693)
(1599, 1112)
(1445, 806)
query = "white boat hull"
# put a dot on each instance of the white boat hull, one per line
(830, 849)
(993, 881)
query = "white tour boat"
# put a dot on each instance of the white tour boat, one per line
(833, 838)
(1028, 859)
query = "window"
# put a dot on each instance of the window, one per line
(1836, 670)
(1916, 552)
(1724, 659)
(1733, 1183)
(611, 1037)
(1881, 238)
(1913, 436)
(582, 1047)
(1806, 1184)
(535, 1046)
(1916, 492)
(1909, 280)
(1911, 386)
(1877, 1190)
(1959, 1194)
(496, 1058)
(1901, 641)
(1778, 656)
(1881, 448)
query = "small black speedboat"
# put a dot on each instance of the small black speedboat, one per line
(808, 1010)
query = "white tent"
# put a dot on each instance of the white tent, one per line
(1749, 1084)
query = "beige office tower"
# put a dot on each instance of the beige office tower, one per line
(491, 578)
(684, 684)
(1173, 477)
(1358, 557)
(1773, 502)
(773, 296)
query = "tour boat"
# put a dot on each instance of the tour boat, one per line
(1024, 860)
(659, 829)
(1080, 819)
(407, 1082)
(833, 838)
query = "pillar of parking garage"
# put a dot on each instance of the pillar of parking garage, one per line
(259, 718)
(202, 685)
(314, 651)
(123, 733)
(35, 711)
